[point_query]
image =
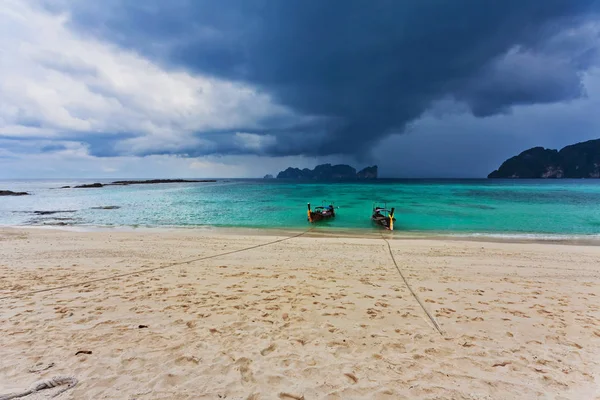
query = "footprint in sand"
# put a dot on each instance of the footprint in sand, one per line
(351, 376)
(244, 364)
(268, 350)
(444, 312)
(184, 360)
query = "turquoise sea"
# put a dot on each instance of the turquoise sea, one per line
(473, 207)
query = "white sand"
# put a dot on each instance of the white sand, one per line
(320, 318)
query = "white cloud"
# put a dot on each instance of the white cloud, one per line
(56, 84)
(72, 160)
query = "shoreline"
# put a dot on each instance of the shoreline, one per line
(320, 232)
(202, 315)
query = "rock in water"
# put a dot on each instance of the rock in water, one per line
(89, 185)
(53, 212)
(11, 193)
(147, 182)
(155, 181)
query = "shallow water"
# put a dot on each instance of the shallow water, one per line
(472, 207)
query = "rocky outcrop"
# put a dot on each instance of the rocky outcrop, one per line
(532, 163)
(89, 185)
(328, 172)
(53, 212)
(147, 182)
(367, 173)
(268, 176)
(580, 160)
(155, 181)
(295, 173)
(11, 193)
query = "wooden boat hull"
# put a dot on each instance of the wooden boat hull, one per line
(385, 220)
(316, 217)
(320, 213)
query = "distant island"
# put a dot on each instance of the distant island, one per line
(11, 193)
(329, 172)
(125, 183)
(580, 160)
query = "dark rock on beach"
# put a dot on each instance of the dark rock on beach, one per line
(11, 193)
(47, 218)
(106, 208)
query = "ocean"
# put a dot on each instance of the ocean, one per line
(565, 208)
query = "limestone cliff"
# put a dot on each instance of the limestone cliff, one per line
(580, 160)
(329, 172)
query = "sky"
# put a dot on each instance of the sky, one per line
(243, 88)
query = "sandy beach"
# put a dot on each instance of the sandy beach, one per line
(304, 318)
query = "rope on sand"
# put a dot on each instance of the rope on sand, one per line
(56, 381)
(141, 271)
(431, 318)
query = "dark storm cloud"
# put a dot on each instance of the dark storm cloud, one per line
(366, 68)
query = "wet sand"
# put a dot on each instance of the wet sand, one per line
(308, 317)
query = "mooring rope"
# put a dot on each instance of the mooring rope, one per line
(56, 381)
(141, 271)
(431, 318)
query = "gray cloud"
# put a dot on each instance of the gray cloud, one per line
(131, 88)
(454, 144)
(365, 70)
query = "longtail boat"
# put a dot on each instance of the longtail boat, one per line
(320, 213)
(383, 217)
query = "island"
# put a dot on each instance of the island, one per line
(367, 173)
(580, 160)
(329, 172)
(268, 176)
(11, 193)
(146, 182)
